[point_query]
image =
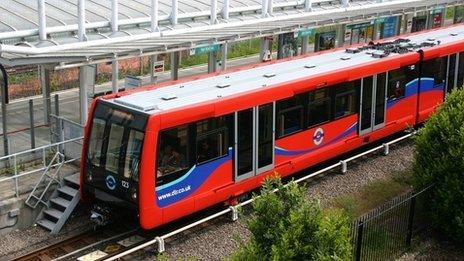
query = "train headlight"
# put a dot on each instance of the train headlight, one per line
(134, 194)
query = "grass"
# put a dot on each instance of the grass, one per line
(373, 195)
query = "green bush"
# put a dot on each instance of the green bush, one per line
(439, 160)
(287, 226)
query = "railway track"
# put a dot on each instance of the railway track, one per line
(137, 244)
(78, 245)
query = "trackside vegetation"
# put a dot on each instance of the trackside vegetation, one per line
(286, 226)
(439, 161)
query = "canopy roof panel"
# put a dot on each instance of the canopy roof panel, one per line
(20, 43)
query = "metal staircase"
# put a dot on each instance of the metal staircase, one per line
(61, 202)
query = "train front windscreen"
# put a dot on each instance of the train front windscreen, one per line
(114, 152)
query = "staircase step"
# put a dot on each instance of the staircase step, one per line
(46, 224)
(68, 191)
(74, 178)
(54, 213)
(61, 202)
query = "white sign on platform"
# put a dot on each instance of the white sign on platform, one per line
(158, 67)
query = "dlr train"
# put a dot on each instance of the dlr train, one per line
(166, 151)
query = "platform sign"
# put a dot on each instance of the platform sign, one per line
(205, 49)
(459, 14)
(132, 81)
(389, 26)
(158, 67)
(304, 32)
(438, 10)
(436, 17)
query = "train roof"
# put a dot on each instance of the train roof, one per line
(228, 84)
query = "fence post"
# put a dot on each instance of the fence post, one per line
(412, 208)
(344, 166)
(31, 123)
(57, 105)
(15, 162)
(359, 241)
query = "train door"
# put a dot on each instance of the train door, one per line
(372, 103)
(460, 70)
(254, 141)
(451, 72)
(455, 76)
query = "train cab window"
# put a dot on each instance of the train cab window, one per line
(134, 146)
(94, 155)
(173, 153)
(318, 107)
(435, 69)
(398, 79)
(212, 138)
(290, 115)
(345, 99)
(115, 146)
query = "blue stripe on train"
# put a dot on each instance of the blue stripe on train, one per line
(284, 152)
(426, 84)
(184, 186)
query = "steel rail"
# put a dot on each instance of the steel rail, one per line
(160, 239)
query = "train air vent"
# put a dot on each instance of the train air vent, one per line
(344, 58)
(379, 54)
(269, 75)
(353, 50)
(142, 107)
(453, 34)
(169, 96)
(309, 66)
(431, 39)
(223, 85)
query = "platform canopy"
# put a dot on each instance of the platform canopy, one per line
(47, 31)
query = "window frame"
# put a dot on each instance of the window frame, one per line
(169, 177)
(442, 72)
(325, 99)
(302, 120)
(127, 166)
(209, 133)
(388, 86)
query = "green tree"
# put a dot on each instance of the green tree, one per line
(287, 226)
(439, 160)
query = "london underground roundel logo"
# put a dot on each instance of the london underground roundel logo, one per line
(110, 182)
(318, 136)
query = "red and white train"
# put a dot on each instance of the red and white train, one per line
(169, 150)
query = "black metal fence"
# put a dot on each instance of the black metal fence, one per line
(387, 231)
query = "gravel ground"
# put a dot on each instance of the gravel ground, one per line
(433, 247)
(221, 239)
(24, 241)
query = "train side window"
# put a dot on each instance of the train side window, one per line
(134, 146)
(345, 99)
(115, 146)
(435, 69)
(213, 139)
(173, 153)
(94, 156)
(318, 107)
(396, 84)
(290, 115)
